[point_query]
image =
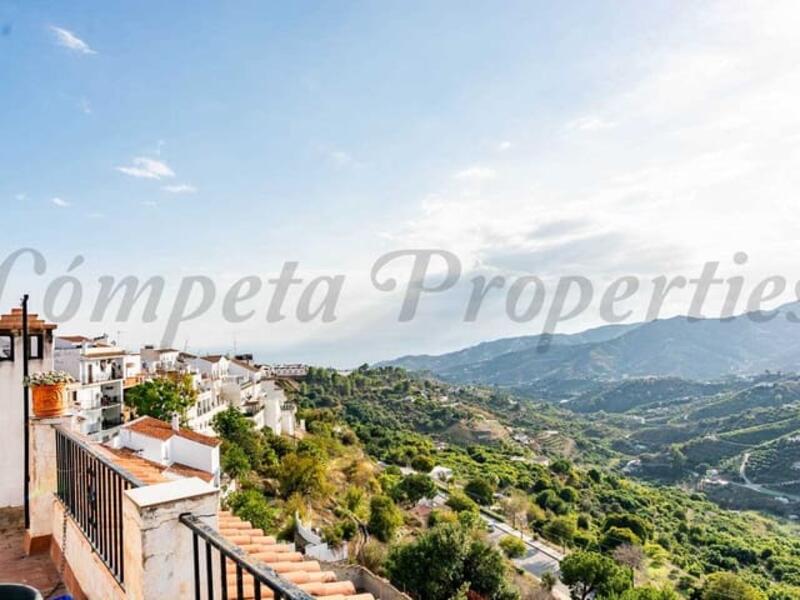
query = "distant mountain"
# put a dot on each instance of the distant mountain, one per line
(488, 350)
(699, 349)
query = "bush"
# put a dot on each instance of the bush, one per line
(460, 502)
(250, 505)
(384, 518)
(422, 463)
(480, 490)
(561, 530)
(512, 547)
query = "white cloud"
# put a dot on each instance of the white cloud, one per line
(67, 39)
(20, 197)
(150, 203)
(147, 168)
(60, 202)
(476, 173)
(180, 188)
(503, 146)
(590, 123)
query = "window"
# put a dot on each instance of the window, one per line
(6, 347)
(36, 346)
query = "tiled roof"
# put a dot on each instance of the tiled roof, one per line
(13, 322)
(244, 365)
(162, 430)
(148, 471)
(287, 563)
(144, 470)
(212, 358)
(75, 339)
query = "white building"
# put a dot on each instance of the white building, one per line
(295, 370)
(99, 370)
(11, 393)
(170, 445)
(159, 359)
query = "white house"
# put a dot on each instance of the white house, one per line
(11, 394)
(171, 446)
(244, 371)
(214, 366)
(99, 372)
(159, 359)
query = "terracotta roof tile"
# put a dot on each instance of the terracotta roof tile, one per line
(13, 322)
(162, 430)
(288, 564)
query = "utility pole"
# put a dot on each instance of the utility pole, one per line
(26, 351)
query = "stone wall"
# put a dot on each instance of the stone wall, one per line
(366, 581)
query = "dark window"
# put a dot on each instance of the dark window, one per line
(36, 346)
(6, 347)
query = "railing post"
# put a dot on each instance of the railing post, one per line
(43, 480)
(159, 556)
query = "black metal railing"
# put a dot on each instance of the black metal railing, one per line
(246, 577)
(91, 487)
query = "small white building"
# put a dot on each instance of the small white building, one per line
(98, 392)
(159, 359)
(292, 371)
(172, 446)
(11, 394)
(440, 473)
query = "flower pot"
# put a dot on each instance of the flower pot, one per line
(49, 400)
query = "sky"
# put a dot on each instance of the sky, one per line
(600, 139)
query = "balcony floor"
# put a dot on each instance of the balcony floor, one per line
(36, 571)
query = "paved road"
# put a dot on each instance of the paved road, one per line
(539, 557)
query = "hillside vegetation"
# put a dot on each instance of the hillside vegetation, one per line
(404, 420)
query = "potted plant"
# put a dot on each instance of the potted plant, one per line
(47, 389)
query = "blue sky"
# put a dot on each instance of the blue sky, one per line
(226, 138)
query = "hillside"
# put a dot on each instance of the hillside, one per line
(582, 504)
(700, 349)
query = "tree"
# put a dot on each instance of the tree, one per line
(589, 573)
(384, 518)
(650, 593)
(452, 558)
(625, 521)
(727, 586)
(561, 530)
(512, 547)
(251, 505)
(236, 429)
(515, 507)
(417, 486)
(304, 475)
(617, 536)
(629, 556)
(460, 502)
(422, 463)
(548, 580)
(162, 397)
(234, 461)
(480, 490)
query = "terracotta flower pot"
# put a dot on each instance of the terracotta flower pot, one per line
(49, 400)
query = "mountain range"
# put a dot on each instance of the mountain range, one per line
(690, 348)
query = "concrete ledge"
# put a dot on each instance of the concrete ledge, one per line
(36, 544)
(169, 492)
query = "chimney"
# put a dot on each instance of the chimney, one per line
(176, 423)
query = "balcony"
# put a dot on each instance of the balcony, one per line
(125, 531)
